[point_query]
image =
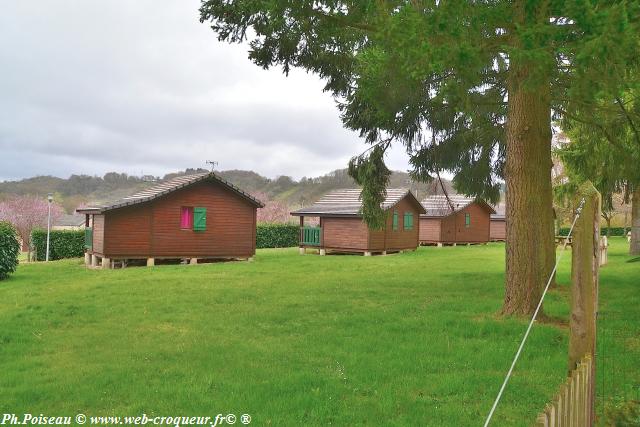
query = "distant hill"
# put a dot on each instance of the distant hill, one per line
(84, 189)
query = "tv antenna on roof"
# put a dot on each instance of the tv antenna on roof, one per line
(212, 163)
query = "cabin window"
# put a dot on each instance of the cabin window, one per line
(186, 218)
(199, 219)
(395, 220)
(467, 220)
(408, 220)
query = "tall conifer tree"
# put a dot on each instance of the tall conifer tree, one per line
(465, 86)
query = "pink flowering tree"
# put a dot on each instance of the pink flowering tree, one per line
(274, 211)
(27, 213)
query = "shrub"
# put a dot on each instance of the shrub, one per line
(277, 235)
(615, 231)
(9, 249)
(63, 244)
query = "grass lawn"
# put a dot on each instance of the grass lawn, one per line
(407, 339)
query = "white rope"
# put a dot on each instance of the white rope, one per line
(535, 314)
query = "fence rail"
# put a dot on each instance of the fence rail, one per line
(311, 236)
(571, 407)
(88, 238)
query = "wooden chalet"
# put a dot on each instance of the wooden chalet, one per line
(189, 218)
(498, 227)
(454, 220)
(341, 228)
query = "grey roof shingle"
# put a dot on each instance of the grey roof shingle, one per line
(439, 206)
(167, 187)
(347, 202)
(69, 221)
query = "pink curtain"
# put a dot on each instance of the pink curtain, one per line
(186, 218)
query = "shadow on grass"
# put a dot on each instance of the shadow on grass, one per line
(557, 321)
(637, 259)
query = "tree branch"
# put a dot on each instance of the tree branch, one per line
(629, 119)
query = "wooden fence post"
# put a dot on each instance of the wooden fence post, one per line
(585, 262)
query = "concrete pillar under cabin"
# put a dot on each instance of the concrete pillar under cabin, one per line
(87, 259)
(301, 250)
(94, 260)
(367, 253)
(151, 262)
(193, 261)
(106, 263)
(323, 252)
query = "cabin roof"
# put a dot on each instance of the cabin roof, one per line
(347, 202)
(166, 187)
(69, 221)
(499, 215)
(438, 206)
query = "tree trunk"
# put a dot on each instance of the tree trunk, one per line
(530, 243)
(608, 227)
(634, 245)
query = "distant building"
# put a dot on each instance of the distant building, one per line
(195, 217)
(69, 222)
(454, 220)
(342, 229)
(498, 229)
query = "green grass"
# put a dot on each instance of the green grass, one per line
(407, 339)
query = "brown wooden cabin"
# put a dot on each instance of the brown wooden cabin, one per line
(342, 229)
(458, 220)
(192, 217)
(498, 228)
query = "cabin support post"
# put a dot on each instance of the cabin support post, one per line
(106, 263)
(87, 259)
(323, 252)
(151, 262)
(94, 260)
(367, 253)
(251, 259)
(193, 261)
(384, 252)
(439, 244)
(301, 251)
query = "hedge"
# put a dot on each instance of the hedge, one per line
(277, 235)
(9, 249)
(63, 244)
(615, 231)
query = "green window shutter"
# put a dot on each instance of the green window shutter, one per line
(408, 220)
(467, 220)
(395, 220)
(199, 219)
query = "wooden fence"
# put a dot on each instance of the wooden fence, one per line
(604, 247)
(572, 406)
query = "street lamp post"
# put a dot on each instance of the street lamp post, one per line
(50, 199)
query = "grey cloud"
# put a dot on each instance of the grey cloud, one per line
(89, 87)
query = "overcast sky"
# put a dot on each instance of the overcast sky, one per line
(141, 86)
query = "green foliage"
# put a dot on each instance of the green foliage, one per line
(370, 172)
(9, 249)
(613, 231)
(62, 244)
(277, 236)
(604, 150)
